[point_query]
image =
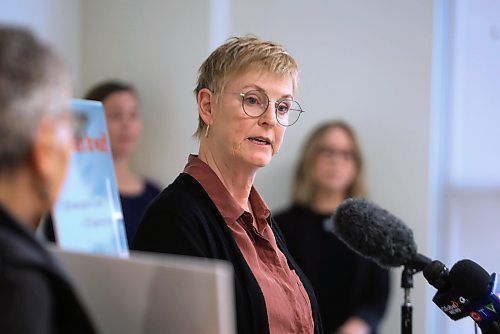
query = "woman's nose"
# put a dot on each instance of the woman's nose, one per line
(269, 116)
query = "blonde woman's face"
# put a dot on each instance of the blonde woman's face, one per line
(334, 166)
(241, 140)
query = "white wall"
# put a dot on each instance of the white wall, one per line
(470, 167)
(55, 21)
(158, 46)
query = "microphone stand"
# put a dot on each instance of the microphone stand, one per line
(407, 307)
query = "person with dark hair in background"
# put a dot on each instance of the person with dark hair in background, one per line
(245, 97)
(122, 108)
(352, 291)
(36, 140)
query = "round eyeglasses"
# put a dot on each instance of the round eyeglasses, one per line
(256, 102)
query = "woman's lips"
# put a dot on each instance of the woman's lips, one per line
(260, 140)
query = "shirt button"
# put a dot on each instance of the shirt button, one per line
(247, 217)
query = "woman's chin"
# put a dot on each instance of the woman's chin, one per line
(260, 160)
(123, 151)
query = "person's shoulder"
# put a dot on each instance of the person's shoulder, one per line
(151, 187)
(17, 247)
(23, 254)
(9, 244)
(183, 188)
(39, 291)
(184, 197)
(30, 291)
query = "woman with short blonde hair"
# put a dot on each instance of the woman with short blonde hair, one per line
(246, 99)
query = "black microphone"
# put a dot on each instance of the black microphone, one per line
(480, 294)
(375, 233)
(438, 275)
(469, 279)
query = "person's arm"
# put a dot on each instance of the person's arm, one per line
(25, 302)
(354, 325)
(376, 291)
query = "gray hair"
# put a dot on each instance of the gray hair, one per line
(33, 85)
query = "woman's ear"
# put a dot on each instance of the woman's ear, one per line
(41, 160)
(43, 148)
(205, 105)
(50, 157)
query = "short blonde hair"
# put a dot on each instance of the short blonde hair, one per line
(304, 189)
(237, 55)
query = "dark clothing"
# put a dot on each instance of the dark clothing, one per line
(184, 220)
(35, 294)
(345, 283)
(133, 207)
(287, 303)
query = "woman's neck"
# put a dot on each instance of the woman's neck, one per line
(128, 182)
(237, 181)
(21, 200)
(326, 202)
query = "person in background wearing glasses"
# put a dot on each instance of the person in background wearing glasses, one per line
(352, 291)
(36, 140)
(245, 96)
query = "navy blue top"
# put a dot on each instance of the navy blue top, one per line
(133, 207)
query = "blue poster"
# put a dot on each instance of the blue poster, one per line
(88, 216)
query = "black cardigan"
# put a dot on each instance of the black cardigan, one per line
(184, 220)
(35, 294)
(345, 283)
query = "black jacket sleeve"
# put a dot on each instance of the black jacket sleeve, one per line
(25, 303)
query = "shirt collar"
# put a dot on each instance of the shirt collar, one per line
(221, 197)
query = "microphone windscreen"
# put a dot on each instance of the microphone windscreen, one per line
(469, 279)
(374, 232)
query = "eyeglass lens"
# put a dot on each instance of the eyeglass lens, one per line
(256, 102)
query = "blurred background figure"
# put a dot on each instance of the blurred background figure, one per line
(35, 144)
(352, 291)
(122, 107)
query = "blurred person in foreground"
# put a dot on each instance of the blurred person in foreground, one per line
(352, 291)
(35, 144)
(246, 99)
